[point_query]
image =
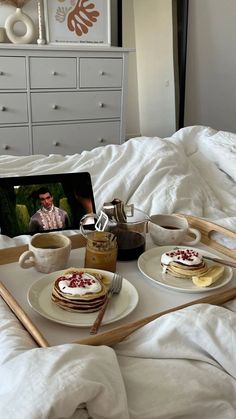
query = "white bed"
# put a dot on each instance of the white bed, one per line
(182, 365)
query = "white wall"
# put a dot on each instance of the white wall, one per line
(155, 68)
(128, 35)
(211, 64)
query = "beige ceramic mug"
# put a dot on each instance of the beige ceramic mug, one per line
(47, 252)
(170, 229)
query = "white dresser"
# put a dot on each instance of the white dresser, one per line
(61, 99)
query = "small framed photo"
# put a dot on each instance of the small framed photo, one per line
(78, 22)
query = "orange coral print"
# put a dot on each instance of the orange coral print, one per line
(82, 17)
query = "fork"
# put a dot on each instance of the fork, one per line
(115, 288)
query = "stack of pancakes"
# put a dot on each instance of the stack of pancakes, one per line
(183, 263)
(79, 291)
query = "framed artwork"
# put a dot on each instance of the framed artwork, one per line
(78, 21)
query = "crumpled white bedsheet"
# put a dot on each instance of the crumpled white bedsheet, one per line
(193, 172)
(182, 365)
(56, 382)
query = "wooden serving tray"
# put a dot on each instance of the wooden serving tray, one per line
(10, 255)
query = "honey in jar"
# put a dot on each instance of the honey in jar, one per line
(101, 251)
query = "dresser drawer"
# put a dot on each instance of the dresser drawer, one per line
(74, 138)
(105, 72)
(13, 108)
(14, 141)
(12, 73)
(75, 105)
(52, 73)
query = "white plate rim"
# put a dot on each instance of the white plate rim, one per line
(47, 281)
(158, 251)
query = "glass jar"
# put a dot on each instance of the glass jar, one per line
(101, 251)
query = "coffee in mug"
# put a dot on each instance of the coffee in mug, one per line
(48, 252)
(171, 229)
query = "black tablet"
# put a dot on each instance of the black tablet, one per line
(43, 203)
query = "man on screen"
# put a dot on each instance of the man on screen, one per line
(48, 217)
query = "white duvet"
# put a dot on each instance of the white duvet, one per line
(182, 365)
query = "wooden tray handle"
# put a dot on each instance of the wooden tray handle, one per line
(207, 228)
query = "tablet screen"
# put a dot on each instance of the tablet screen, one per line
(34, 204)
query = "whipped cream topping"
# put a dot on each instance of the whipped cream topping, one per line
(79, 283)
(185, 256)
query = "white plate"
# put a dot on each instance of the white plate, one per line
(149, 264)
(39, 298)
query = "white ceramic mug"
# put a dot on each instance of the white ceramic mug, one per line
(47, 252)
(170, 229)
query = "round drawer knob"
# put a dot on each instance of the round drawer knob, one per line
(56, 143)
(3, 108)
(54, 73)
(101, 105)
(54, 106)
(102, 73)
(101, 140)
(5, 147)
(1, 73)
